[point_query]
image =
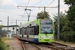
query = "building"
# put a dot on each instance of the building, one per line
(11, 28)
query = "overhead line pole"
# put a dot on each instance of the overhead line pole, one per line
(7, 23)
(1, 22)
(7, 26)
(58, 35)
(44, 11)
(16, 27)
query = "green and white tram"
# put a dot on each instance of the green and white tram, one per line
(39, 30)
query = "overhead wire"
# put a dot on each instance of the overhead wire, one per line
(26, 8)
(22, 15)
(38, 2)
(28, 3)
(51, 3)
(46, 1)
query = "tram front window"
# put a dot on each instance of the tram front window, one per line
(46, 26)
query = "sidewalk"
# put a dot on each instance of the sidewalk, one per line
(15, 44)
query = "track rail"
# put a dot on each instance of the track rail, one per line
(52, 46)
(55, 43)
(63, 46)
(23, 45)
(29, 46)
(37, 47)
(58, 47)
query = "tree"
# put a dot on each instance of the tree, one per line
(63, 24)
(41, 15)
(66, 32)
(1, 26)
(69, 2)
(71, 13)
(63, 20)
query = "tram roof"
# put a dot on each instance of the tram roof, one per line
(30, 21)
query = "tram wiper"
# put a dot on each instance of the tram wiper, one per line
(45, 32)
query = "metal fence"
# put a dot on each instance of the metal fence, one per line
(3, 33)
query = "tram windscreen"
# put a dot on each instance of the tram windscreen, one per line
(46, 26)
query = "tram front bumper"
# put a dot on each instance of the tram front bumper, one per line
(46, 40)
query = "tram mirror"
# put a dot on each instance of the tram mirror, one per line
(30, 25)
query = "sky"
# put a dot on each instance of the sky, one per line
(9, 8)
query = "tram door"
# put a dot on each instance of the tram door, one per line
(22, 32)
(28, 31)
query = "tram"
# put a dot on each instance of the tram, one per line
(38, 30)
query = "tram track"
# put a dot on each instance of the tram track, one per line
(22, 44)
(50, 46)
(55, 46)
(29, 46)
(62, 46)
(58, 46)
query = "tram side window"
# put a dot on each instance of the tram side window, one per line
(20, 30)
(36, 30)
(25, 31)
(31, 31)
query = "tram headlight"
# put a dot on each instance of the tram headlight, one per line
(51, 37)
